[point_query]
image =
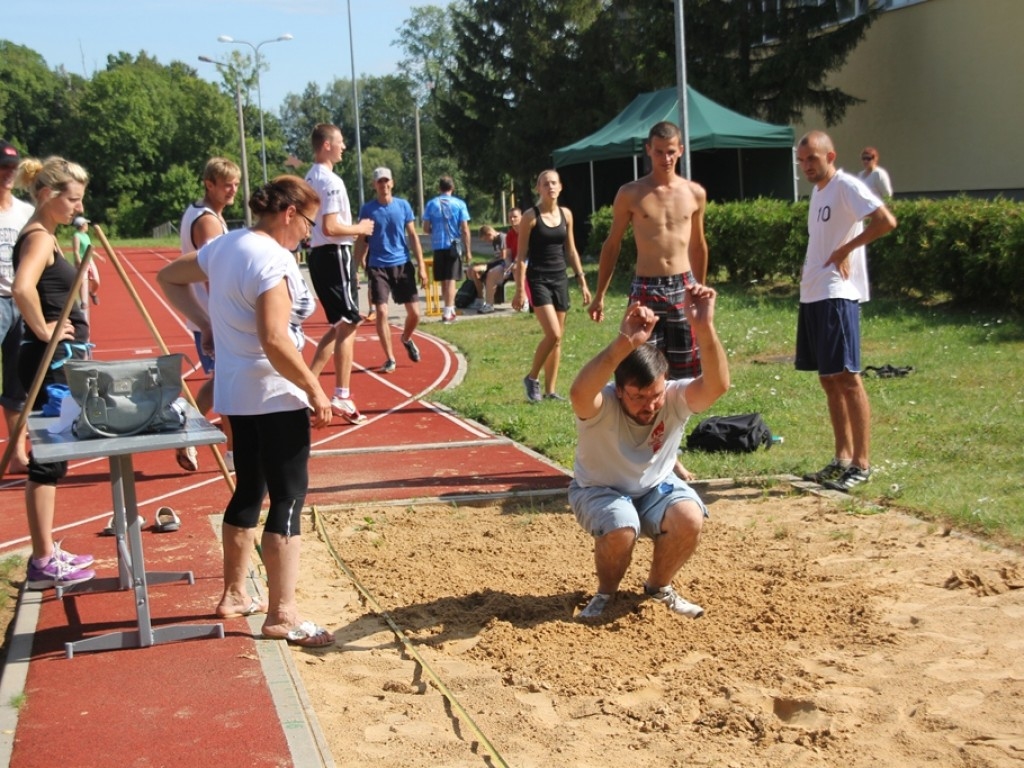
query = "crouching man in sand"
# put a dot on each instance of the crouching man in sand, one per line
(628, 430)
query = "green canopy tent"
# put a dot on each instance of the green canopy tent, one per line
(733, 157)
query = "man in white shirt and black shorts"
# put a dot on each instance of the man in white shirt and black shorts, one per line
(332, 269)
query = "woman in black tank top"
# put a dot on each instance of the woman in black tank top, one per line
(43, 282)
(546, 248)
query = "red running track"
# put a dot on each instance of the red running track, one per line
(224, 702)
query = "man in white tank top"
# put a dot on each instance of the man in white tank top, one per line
(203, 221)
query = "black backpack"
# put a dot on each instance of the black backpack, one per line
(740, 434)
(465, 295)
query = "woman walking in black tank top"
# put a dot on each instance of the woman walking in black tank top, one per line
(546, 248)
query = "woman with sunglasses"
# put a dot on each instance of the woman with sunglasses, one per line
(258, 301)
(874, 175)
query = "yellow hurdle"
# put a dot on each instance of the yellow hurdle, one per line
(433, 291)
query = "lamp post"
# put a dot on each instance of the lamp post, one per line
(355, 106)
(241, 139)
(259, 94)
(682, 91)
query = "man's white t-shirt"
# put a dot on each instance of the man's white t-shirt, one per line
(613, 451)
(333, 199)
(835, 217)
(240, 266)
(12, 221)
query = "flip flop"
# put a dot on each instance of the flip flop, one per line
(255, 607)
(109, 530)
(306, 635)
(167, 521)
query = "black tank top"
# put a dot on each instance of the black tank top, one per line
(54, 286)
(547, 245)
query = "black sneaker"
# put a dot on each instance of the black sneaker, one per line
(412, 349)
(850, 479)
(831, 471)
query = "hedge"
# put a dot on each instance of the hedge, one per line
(962, 249)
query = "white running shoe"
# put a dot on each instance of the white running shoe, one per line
(595, 607)
(671, 600)
(345, 408)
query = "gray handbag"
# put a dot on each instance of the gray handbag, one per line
(126, 397)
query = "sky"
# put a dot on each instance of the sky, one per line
(79, 35)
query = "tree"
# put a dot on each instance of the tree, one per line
(33, 100)
(771, 60)
(536, 75)
(143, 120)
(518, 90)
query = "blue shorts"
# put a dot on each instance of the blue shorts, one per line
(828, 337)
(600, 510)
(204, 359)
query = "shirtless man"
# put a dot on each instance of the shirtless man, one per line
(667, 214)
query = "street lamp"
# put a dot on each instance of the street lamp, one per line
(355, 105)
(241, 138)
(259, 95)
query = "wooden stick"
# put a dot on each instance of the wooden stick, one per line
(44, 364)
(159, 340)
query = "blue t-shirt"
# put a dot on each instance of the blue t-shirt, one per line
(388, 245)
(445, 214)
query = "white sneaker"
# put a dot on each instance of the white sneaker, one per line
(671, 600)
(485, 309)
(477, 303)
(595, 607)
(345, 408)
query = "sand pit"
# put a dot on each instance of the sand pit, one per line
(833, 637)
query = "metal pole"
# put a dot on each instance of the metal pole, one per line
(259, 101)
(355, 106)
(419, 162)
(259, 91)
(245, 155)
(241, 139)
(681, 87)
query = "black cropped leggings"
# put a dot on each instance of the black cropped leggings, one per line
(271, 456)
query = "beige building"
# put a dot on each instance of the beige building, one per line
(943, 89)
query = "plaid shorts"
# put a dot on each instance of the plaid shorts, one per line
(666, 296)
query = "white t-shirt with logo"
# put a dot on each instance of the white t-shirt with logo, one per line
(333, 199)
(835, 217)
(241, 266)
(613, 451)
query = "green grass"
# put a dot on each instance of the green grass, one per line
(946, 440)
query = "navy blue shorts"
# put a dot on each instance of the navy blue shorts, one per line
(828, 337)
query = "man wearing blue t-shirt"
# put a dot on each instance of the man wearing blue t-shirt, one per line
(389, 271)
(446, 220)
